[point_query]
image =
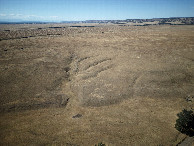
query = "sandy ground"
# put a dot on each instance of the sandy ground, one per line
(80, 86)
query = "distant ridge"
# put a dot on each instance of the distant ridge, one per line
(25, 22)
(158, 21)
(171, 21)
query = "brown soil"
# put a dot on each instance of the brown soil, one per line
(120, 85)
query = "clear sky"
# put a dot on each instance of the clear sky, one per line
(61, 10)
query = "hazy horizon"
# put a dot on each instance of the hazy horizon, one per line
(81, 10)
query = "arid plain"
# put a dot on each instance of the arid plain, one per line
(120, 85)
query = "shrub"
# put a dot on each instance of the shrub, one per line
(100, 144)
(185, 122)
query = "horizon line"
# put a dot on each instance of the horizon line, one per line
(59, 21)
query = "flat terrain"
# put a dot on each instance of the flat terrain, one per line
(120, 85)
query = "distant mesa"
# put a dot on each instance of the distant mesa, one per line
(143, 22)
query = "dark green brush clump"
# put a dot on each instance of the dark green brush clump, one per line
(100, 144)
(185, 122)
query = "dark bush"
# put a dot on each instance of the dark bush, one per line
(100, 144)
(185, 122)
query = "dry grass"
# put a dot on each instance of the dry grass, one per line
(127, 83)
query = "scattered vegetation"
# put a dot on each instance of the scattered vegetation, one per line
(185, 122)
(100, 144)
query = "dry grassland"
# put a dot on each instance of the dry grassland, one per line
(120, 85)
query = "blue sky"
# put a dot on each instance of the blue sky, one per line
(59, 10)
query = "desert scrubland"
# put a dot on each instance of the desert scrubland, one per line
(120, 85)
